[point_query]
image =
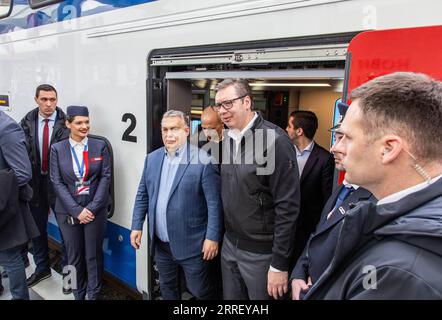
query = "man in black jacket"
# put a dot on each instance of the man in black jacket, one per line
(43, 126)
(260, 194)
(392, 146)
(316, 168)
(20, 228)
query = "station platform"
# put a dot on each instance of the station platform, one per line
(48, 289)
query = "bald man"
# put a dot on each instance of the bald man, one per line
(213, 131)
(212, 125)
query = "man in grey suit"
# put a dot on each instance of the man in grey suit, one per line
(20, 228)
(180, 193)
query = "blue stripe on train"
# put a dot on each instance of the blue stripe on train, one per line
(119, 256)
(24, 17)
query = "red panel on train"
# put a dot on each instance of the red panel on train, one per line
(376, 53)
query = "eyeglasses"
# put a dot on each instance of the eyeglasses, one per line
(228, 104)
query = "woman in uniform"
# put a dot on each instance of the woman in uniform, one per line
(81, 172)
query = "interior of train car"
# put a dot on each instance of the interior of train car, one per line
(283, 78)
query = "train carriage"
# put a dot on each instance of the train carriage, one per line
(131, 60)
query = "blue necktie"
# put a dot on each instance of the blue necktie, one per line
(341, 197)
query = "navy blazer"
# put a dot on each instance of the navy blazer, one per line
(194, 210)
(13, 155)
(316, 185)
(320, 248)
(64, 178)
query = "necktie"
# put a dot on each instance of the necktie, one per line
(341, 197)
(44, 153)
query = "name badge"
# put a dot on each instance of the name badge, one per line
(82, 188)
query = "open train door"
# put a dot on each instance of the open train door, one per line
(375, 53)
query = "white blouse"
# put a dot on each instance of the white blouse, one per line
(79, 148)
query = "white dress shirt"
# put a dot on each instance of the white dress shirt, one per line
(345, 183)
(79, 148)
(401, 194)
(237, 136)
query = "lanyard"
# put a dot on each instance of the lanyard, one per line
(81, 171)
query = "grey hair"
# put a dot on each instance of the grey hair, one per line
(241, 86)
(178, 114)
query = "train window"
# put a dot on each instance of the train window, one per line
(5, 8)
(35, 4)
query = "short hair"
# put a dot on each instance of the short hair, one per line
(44, 87)
(242, 87)
(407, 104)
(306, 120)
(176, 113)
(208, 111)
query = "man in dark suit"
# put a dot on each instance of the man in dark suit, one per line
(318, 253)
(43, 126)
(316, 168)
(180, 193)
(21, 227)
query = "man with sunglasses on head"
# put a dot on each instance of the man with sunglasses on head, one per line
(319, 250)
(260, 195)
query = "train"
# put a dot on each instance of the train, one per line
(129, 61)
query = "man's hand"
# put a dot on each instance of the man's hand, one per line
(277, 283)
(135, 238)
(210, 249)
(86, 216)
(299, 285)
